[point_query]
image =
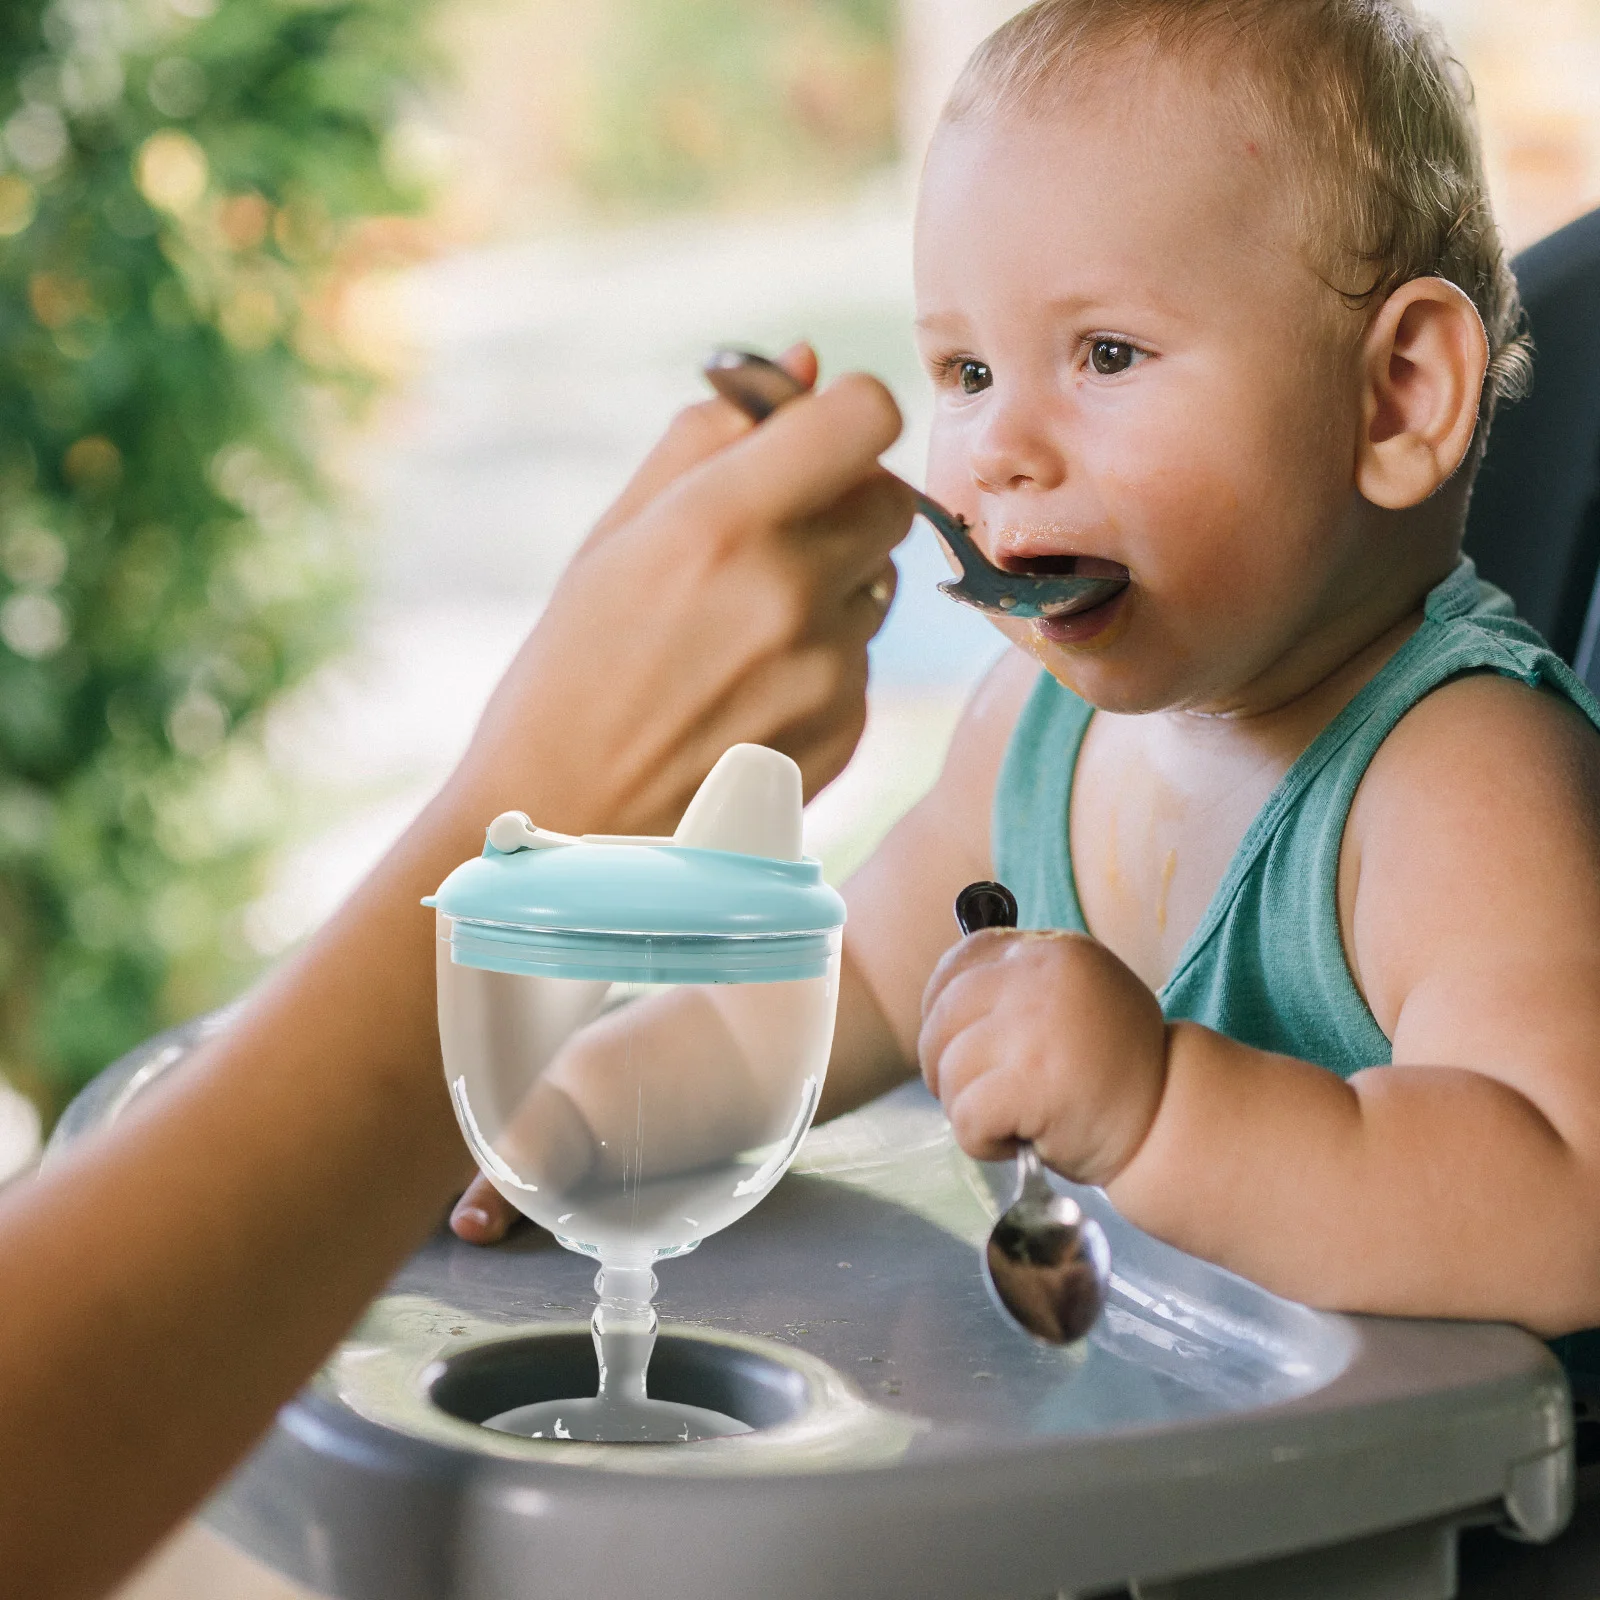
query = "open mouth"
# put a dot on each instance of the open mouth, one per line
(1087, 622)
(1081, 617)
(1063, 567)
(1084, 617)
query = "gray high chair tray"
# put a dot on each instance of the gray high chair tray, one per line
(1210, 1439)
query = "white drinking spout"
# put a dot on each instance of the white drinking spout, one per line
(750, 804)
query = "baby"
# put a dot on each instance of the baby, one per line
(1305, 827)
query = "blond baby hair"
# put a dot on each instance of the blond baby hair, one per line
(1360, 99)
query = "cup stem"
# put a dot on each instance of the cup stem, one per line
(624, 1328)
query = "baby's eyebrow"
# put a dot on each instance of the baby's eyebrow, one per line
(1089, 306)
(1102, 306)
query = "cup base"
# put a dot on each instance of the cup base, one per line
(597, 1421)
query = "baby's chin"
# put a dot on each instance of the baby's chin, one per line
(1111, 673)
(1120, 699)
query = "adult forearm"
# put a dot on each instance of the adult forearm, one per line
(228, 1231)
(1407, 1190)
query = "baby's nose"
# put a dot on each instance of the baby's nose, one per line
(1013, 450)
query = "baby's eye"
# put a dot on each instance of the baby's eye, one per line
(1108, 357)
(973, 376)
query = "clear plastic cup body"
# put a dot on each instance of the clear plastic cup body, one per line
(633, 1118)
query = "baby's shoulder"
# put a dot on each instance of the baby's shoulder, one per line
(1471, 855)
(992, 712)
(959, 803)
(1475, 829)
(1481, 744)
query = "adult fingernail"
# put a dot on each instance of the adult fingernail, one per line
(472, 1217)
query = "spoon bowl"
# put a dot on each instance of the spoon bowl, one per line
(1046, 1265)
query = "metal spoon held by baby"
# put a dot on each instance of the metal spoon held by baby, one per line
(1045, 1263)
(758, 387)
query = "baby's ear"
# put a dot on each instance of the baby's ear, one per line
(1422, 368)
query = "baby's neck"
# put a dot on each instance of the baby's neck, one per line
(1292, 704)
(1288, 702)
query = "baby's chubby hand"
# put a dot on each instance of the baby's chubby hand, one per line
(1048, 1037)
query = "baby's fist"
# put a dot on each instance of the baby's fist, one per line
(1048, 1037)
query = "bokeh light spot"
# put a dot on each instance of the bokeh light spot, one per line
(33, 558)
(37, 136)
(250, 317)
(171, 171)
(18, 204)
(57, 298)
(32, 625)
(244, 220)
(92, 463)
(197, 725)
(177, 87)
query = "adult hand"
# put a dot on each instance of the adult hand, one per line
(728, 596)
(266, 1191)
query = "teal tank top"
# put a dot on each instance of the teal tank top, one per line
(1266, 963)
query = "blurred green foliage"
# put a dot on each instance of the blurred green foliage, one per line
(725, 100)
(180, 185)
(187, 190)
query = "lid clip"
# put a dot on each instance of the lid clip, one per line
(512, 831)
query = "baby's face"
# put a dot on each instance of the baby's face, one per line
(1136, 362)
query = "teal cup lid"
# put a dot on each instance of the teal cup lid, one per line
(676, 910)
(649, 913)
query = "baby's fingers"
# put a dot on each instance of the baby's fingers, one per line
(979, 949)
(482, 1215)
(985, 1115)
(960, 1014)
(983, 1089)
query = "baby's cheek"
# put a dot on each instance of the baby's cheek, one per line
(1180, 514)
(949, 476)
(1221, 556)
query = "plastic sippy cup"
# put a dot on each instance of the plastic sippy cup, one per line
(635, 1033)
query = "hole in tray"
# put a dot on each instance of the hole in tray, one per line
(483, 1382)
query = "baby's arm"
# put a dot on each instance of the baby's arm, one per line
(1464, 1179)
(902, 916)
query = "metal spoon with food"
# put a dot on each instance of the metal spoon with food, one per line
(758, 387)
(1046, 1264)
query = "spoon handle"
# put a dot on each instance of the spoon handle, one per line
(758, 387)
(985, 904)
(1032, 1184)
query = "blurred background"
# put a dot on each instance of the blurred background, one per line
(326, 329)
